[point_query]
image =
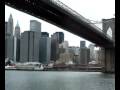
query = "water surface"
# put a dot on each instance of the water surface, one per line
(48, 80)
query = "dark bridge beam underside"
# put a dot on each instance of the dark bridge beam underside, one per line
(59, 16)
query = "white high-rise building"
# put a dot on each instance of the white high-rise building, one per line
(35, 26)
(17, 30)
(17, 43)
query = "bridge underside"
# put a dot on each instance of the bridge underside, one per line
(63, 18)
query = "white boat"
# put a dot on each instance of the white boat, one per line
(10, 67)
(39, 67)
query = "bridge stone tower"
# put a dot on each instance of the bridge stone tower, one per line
(109, 53)
(109, 23)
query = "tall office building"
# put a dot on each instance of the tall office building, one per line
(92, 52)
(17, 31)
(84, 53)
(10, 48)
(45, 50)
(84, 56)
(9, 41)
(10, 26)
(29, 46)
(24, 47)
(35, 26)
(56, 39)
(54, 48)
(17, 43)
(59, 37)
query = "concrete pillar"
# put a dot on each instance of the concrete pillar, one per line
(109, 60)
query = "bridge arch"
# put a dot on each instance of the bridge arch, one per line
(109, 32)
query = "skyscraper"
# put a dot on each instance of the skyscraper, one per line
(84, 56)
(45, 50)
(59, 37)
(56, 39)
(92, 52)
(35, 26)
(84, 53)
(9, 41)
(17, 43)
(10, 26)
(54, 48)
(29, 43)
(17, 30)
(24, 47)
(29, 46)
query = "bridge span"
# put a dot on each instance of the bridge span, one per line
(57, 13)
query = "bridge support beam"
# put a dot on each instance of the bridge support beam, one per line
(109, 63)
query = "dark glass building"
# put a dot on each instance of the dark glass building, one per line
(54, 48)
(44, 34)
(45, 50)
(82, 44)
(60, 37)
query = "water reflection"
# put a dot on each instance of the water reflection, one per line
(23, 80)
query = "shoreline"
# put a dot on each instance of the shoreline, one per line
(53, 70)
(59, 70)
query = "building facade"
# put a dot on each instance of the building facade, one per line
(45, 50)
(44, 34)
(92, 52)
(29, 46)
(9, 40)
(35, 26)
(59, 37)
(84, 53)
(84, 56)
(54, 47)
(17, 43)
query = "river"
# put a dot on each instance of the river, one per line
(63, 80)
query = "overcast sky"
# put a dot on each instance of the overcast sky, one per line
(90, 9)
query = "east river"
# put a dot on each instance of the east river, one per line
(48, 80)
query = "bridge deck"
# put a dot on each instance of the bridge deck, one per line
(60, 15)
